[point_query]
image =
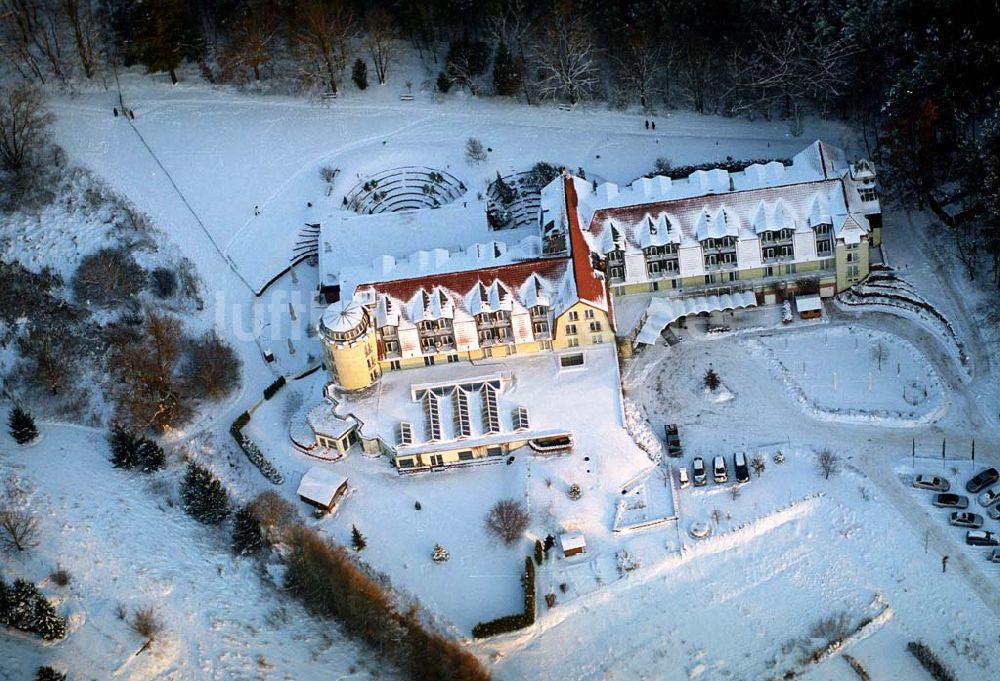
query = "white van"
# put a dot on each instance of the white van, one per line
(719, 469)
(682, 477)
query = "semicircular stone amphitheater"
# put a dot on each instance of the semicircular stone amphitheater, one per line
(406, 188)
(520, 205)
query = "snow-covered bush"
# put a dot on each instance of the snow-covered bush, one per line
(210, 368)
(252, 451)
(204, 496)
(49, 674)
(574, 492)
(110, 276)
(440, 554)
(146, 623)
(627, 562)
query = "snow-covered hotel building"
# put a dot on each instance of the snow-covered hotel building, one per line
(743, 238)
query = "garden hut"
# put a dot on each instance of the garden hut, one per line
(322, 488)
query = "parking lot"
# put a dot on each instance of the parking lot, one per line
(964, 498)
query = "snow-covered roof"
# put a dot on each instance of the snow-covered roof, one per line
(343, 316)
(411, 243)
(816, 188)
(320, 484)
(808, 303)
(324, 420)
(570, 541)
(662, 311)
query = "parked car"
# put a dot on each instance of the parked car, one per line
(719, 471)
(989, 497)
(741, 468)
(683, 478)
(981, 538)
(931, 482)
(966, 519)
(698, 472)
(994, 512)
(982, 481)
(994, 556)
(949, 500)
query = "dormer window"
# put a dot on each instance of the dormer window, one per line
(868, 193)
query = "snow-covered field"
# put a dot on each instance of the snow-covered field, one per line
(847, 373)
(127, 545)
(791, 550)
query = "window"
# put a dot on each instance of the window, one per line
(540, 328)
(853, 256)
(653, 268)
(571, 329)
(452, 359)
(573, 343)
(853, 270)
(405, 436)
(465, 455)
(404, 463)
(428, 361)
(575, 360)
(596, 339)
(654, 286)
(394, 365)
(546, 345)
(867, 193)
(709, 278)
(588, 314)
(734, 276)
(824, 247)
(595, 327)
(391, 346)
(574, 315)
(617, 273)
(539, 310)
(494, 451)
(769, 271)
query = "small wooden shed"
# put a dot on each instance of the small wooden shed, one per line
(322, 488)
(809, 306)
(572, 543)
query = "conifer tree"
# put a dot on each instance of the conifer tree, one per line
(358, 541)
(22, 426)
(204, 496)
(47, 623)
(359, 74)
(49, 674)
(248, 539)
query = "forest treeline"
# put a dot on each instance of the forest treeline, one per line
(919, 79)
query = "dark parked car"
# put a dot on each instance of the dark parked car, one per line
(982, 481)
(949, 500)
(966, 519)
(741, 468)
(698, 472)
(931, 482)
(981, 538)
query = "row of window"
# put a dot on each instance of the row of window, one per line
(595, 327)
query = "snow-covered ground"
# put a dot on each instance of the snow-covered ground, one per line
(127, 544)
(790, 550)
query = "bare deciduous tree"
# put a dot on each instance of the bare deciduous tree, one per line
(734, 492)
(254, 38)
(758, 463)
(24, 125)
(567, 58)
(18, 525)
(86, 33)
(507, 520)
(474, 151)
(828, 463)
(640, 70)
(381, 35)
(212, 368)
(322, 34)
(30, 34)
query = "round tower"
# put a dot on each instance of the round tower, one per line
(349, 345)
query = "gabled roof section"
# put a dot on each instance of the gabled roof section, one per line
(589, 284)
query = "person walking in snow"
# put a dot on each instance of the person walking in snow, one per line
(256, 210)
(944, 563)
(647, 124)
(653, 124)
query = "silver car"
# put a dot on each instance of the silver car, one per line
(994, 556)
(989, 497)
(966, 519)
(931, 482)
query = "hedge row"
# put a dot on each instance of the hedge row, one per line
(329, 582)
(928, 660)
(272, 390)
(507, 623)
(252, 451)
